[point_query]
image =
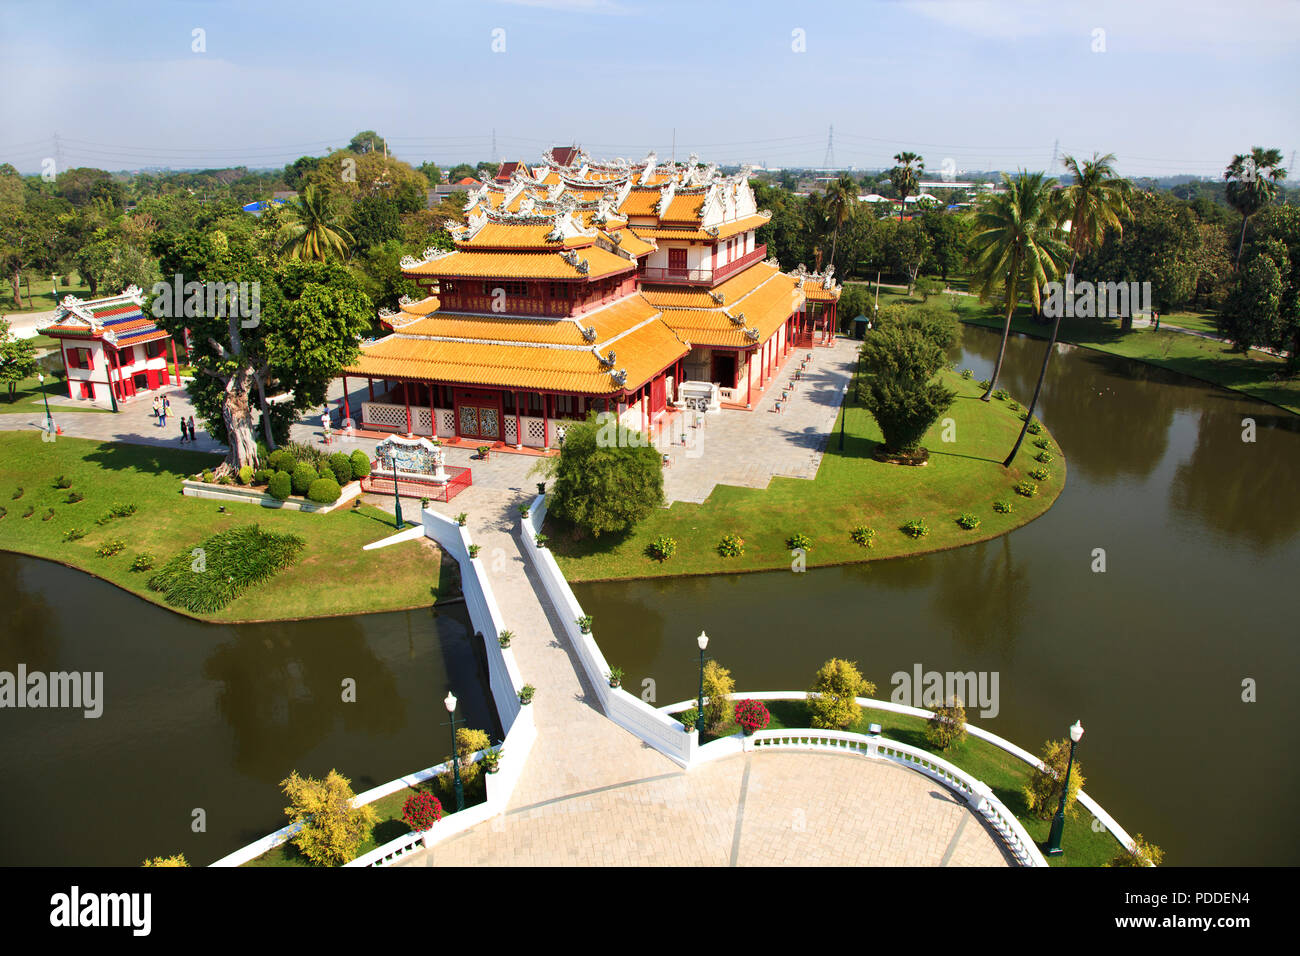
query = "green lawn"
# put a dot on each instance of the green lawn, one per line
(1214, 362)
(333, 576)
(1004, 773)
(390, 824)
(850, 489)
(27, 398)
(41, 299)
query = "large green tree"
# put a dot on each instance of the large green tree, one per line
(1017, 248)
(905, 176)
(17, 359)
(309, 320)
(314, 232)
(1263, 308)
(900, 359)
(607, 477)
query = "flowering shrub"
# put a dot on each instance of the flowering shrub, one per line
(1027, 488)
(1034, 428)
(1039, 474)
(1042, 443)
(968, 521)
(1043, 456)
(916, 528)
(422, 810)
(662, 548)
(967, 373)
(798, 542)
(731, 546)
(1002, 507)
(863, 535)
(752, 715)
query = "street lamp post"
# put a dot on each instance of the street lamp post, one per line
(397, 499)
(844, 413)
(49, 419)
(450, 703)
(703, 641)
(1058, 822)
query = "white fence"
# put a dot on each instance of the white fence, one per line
(505, 682)
(631, 713)
(717, 749)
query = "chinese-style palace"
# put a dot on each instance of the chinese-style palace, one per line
(578, 287)
(110, 343)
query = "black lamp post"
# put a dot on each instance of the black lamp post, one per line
(450, 703)
(703, 641)
(1058, 822)
(49, 419)
(397, 499)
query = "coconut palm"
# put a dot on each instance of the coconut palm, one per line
(1094, 203)
(313, 233)
(905, 177)
(1252, 183)
(1017, 247)
(841, 199)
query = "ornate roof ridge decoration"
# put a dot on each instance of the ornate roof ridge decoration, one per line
(649, 169)
(666, 195)
(588, 333)
(772, 261)
(431, 254)
(738, 318)
(751, 334)
(405, 300)
(606, 361)
(619, 377)
(717, 297)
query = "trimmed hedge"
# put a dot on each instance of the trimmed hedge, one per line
(360, 464)
(281, 460)
(303, 476)
(324, 491)
(280, 486)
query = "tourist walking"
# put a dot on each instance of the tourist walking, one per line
(193, 437)
(163, 409)
(185, 432)
(157, 406)
(325, 424)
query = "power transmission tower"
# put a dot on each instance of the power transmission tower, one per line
(1056, 149)
(829, 162)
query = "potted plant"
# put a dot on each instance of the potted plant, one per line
(526, 694)
(523, 510)
(492, 759)
(540, 540)
(424, 502)
(504, 639)
(541, 487)
(461, 519)
(474, 550)
(421, 811)
(483, 452)
(584, 623)
(615, 676)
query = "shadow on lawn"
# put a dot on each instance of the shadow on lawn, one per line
(150, 459)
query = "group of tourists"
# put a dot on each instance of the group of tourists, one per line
(162, 407)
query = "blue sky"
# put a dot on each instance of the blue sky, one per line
(1179, 86)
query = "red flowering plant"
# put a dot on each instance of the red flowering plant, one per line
(752, 715)
(422, 810)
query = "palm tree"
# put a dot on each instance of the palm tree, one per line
(314, 233)
(841, 199)
(1249, 188)
(1017, 247)
(1095, 202)
(905, 177)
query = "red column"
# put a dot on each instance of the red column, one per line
(749, 382)
(519, 425)
(370, 384)
(175, 362)
(347, 408)
(406, 397)
(546, 422)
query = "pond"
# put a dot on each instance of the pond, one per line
(1201, 534)
(208, 717)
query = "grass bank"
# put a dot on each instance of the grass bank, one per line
(332, 576)
(1084, 843)
(851, 489)
(1254, 373)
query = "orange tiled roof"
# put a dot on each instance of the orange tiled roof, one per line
(521, 265)
(764, 305)
(502, 235)
(631, 243)
(684, 207)
(640, 202)
(687, 297)
(724, 231)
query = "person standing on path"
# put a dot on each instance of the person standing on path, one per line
(325, 424)
(185, 433)
(156, 408)
(162, 412)
(193, 437)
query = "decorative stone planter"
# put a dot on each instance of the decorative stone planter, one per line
(256, 496)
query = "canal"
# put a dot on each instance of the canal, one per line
(1201, 534)
(204, 717)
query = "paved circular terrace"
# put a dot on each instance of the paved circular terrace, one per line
(758, 809)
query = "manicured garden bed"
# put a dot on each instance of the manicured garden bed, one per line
(390, 824)
(332, 576)
(1004, 773)
(851, 491)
